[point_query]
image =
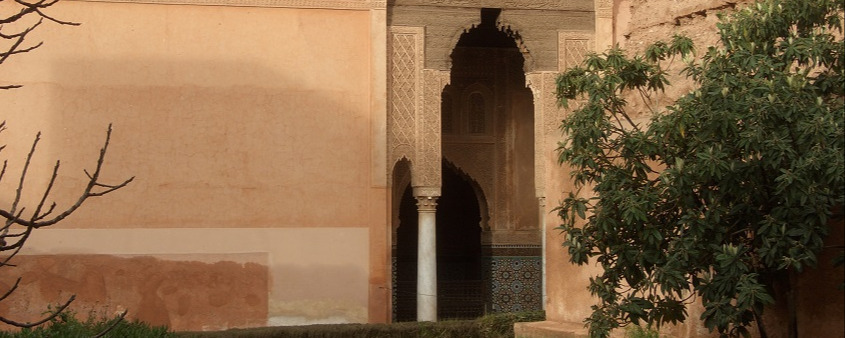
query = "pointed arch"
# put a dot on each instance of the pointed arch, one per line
(481, 199)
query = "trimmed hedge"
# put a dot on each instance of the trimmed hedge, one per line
(67, 325)
(491, 326)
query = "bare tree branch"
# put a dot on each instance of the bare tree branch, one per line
(42, 321)
(16, 40)
(113, 325)
(93, 183)
(11, 290)
(19, 223)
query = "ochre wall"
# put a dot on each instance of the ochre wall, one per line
(248, 131)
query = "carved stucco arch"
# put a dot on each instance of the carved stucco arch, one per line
(510, 29)
(400, 179)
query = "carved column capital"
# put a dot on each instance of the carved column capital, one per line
(426, 203)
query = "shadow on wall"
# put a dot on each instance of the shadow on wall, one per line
(206, 136)
(213, 144)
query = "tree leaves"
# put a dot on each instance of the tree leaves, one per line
(723, 189)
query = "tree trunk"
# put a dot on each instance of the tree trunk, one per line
(792, 305)
(760, 327)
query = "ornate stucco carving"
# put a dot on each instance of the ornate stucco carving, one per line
(538, 31)
(427, 203)
(566, 5)
(553, 114)
(534, 81)
(405, 82)
(426, 191)
(513, 31)
(604, 9)
(429, 159)
(573, 46)
(328, 4)
(547, 118)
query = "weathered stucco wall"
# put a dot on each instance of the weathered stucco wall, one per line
(249, 130)
(317, 275)
(177, 293)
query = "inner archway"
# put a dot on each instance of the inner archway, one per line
(460, 288)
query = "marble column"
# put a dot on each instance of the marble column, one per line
(427, 260)
(542, 218)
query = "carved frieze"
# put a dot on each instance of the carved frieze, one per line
(604, 9)
(563, 5)
(328, 4)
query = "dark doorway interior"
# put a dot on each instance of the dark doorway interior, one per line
(460, 291)
(405, 301)
(459, 278)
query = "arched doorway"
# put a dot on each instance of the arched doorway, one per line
(487, 134)
(487, 125)
(460, 289)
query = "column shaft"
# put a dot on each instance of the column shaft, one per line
(542, 218)
(427, 260)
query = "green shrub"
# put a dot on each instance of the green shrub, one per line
(67, 325)
(501, 324)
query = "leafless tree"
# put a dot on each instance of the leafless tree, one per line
(19, 223)
(16, 25)
(20, 19)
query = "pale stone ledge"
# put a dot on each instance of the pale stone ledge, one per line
(550, 329)
(310, 4)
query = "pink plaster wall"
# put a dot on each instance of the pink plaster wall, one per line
(248, 118)
(235, 117)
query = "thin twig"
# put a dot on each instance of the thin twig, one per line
(42, 321)
(113, 325)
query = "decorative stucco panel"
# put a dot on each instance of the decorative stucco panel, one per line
(405, 59)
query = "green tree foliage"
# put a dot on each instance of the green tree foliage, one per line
(729, 187)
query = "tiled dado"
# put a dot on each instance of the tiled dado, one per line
(512, 281)
(515, 275)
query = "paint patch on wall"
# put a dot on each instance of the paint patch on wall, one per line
(181, 294)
